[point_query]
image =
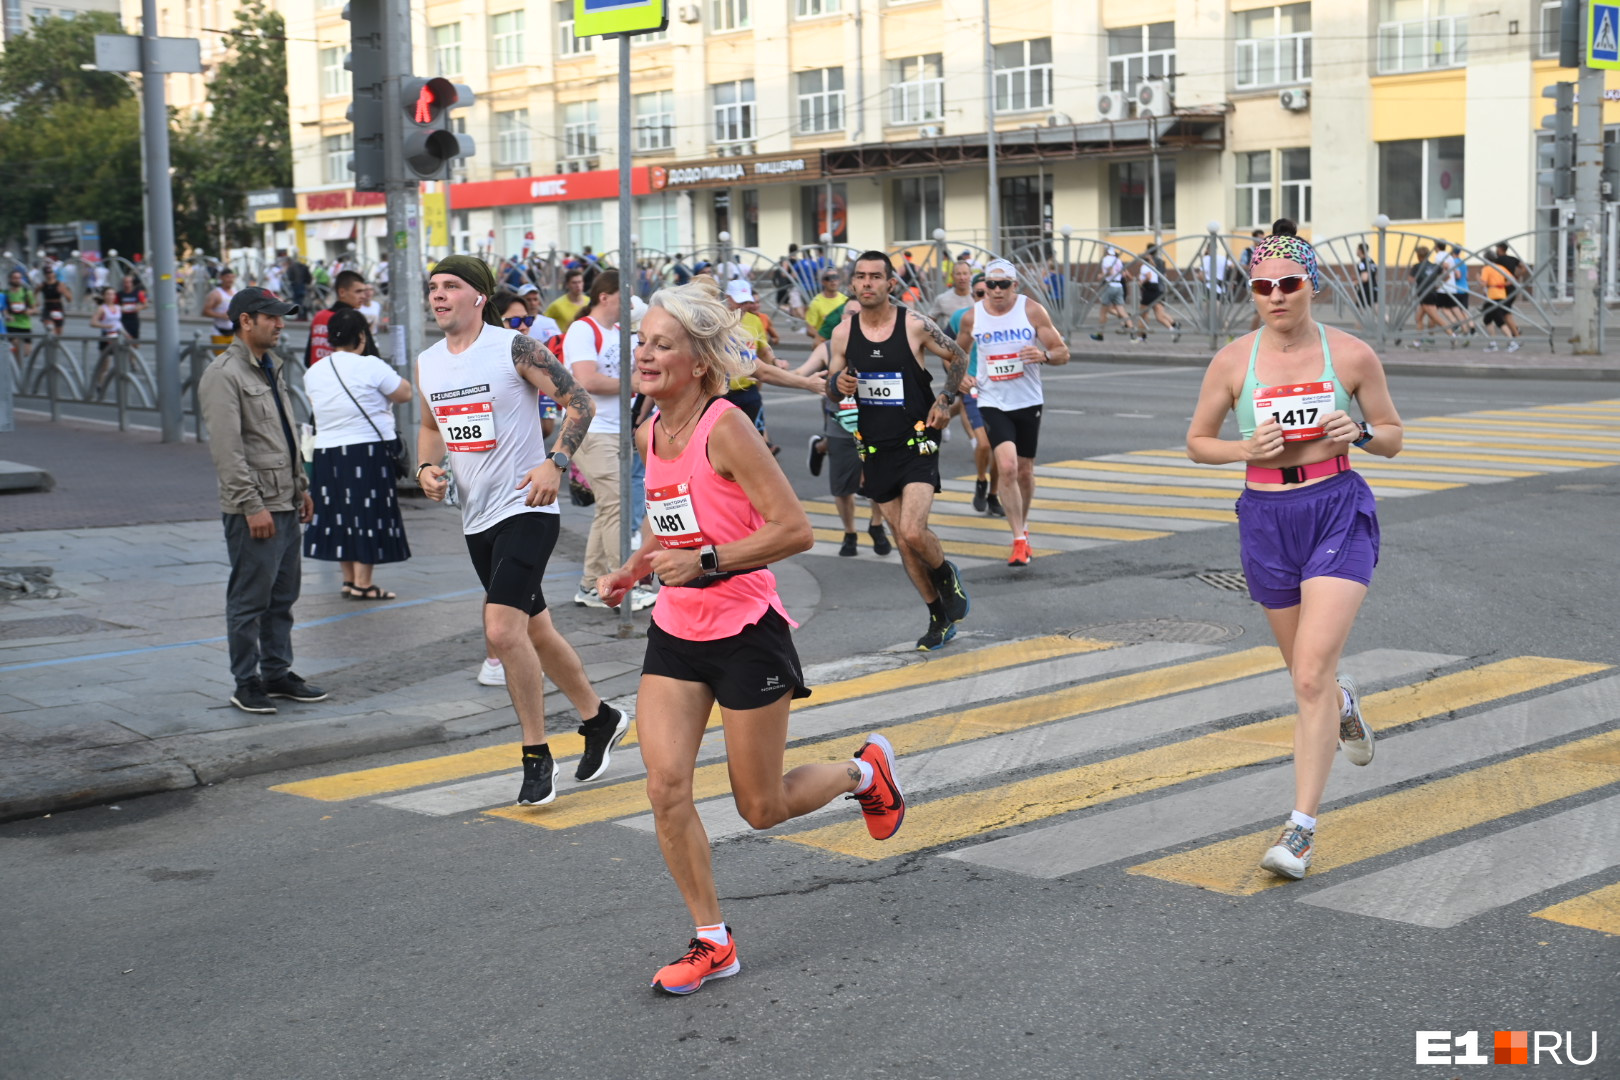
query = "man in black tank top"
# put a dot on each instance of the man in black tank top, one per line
(878, 357)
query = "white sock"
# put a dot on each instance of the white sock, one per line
(866, 776)
(1304, 821)
(1345, 695)
(716, 933)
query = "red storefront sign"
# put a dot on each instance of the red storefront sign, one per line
(317, 202)
(565, 187)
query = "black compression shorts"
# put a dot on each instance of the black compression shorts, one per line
(748, 670)
(510, 557)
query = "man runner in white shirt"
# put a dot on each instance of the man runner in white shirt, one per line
(1015, 336)
(480, 403)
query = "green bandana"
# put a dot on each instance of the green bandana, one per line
(474, 272)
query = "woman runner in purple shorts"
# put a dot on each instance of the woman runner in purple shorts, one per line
(1307, 523)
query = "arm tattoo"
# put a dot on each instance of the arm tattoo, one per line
(956, 361)
(529, 353)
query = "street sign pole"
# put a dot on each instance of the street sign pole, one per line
(407, 311)
(1602, 53)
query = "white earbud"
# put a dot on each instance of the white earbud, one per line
(479, 302)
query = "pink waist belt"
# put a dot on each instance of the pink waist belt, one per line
(1297, 474)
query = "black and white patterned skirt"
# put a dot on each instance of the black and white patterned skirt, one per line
(356, 514)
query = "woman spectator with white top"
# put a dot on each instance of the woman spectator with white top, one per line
(357, 521)
(108, 319)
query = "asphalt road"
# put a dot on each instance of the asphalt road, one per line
(246, 932)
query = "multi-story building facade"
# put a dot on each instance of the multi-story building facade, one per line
(750, 114)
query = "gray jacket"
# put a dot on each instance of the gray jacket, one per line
(257, 469)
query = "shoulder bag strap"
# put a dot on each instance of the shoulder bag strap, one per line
(374, 429)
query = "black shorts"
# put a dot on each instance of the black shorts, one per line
(510, 557)
(750, 401)
(1440, 300)
(1152, 293)
(885, 471)
(1019, 426)
(1496, 313)
(748, 670)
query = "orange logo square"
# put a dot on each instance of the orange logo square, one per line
(1512, 1048)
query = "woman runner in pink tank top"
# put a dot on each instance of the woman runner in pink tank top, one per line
(719, 511)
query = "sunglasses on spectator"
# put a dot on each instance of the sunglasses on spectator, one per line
(520, 322)
(1286, 285)
(998, 283)
(978, 294)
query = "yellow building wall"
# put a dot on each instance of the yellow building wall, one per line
(819, 44)
(1430, 105)
(913, 31)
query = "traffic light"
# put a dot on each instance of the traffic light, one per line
(368, 67)
(1556, 158)
(430, 144)
(1610, 186)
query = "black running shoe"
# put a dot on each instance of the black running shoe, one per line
(993, 507)
(291, 686)
(602, 734)
(880, 540)
(848, 549)
(954, 595)
(539, 781)
(816, 455)
(250, 697)
(939, 632)
(981, 493)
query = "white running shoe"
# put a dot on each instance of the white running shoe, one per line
(1290, 856)
(1355, 734)
(588, 598)
(641, 599)
(492, 673)
(1513, 346)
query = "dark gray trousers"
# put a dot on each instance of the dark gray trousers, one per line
(259, 597)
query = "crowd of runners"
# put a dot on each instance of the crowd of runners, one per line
(511, 402)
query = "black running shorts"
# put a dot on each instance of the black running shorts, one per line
(1022, 427)
(748, 670)
(885, 472)
(510, 557)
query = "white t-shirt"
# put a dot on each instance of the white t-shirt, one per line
(273, 280)
(223, 296)
(1148, 275)
(337, 421)
(544, 328)
(579, 345)
(1113, 269)
(373, 314)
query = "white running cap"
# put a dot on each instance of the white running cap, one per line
(1001, 268)
(740, 291)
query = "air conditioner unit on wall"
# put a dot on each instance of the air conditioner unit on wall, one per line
(520, 171)
(1295, 99)
(689, 13)
(1112, 106)
(930, 131)
(1152, 98)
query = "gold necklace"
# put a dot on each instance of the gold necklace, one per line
(673, 435)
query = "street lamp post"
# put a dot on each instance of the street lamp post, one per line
(1211, 245)
(990, 133)
(1381, 286)
(1063, 276)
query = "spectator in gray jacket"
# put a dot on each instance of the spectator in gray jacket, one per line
(264, 497)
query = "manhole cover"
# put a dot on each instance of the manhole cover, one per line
(52, 626)
(1232, 580)
(1176, 630)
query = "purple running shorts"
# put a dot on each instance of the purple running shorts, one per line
(1328, 529)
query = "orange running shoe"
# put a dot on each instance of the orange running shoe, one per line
(883, 804)
(1020, 553)
(704, 960)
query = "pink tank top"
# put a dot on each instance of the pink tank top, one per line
(689, 505)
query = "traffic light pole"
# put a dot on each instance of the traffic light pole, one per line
(627, 364)
(1588, 210)
(160, 224)
(407, 311)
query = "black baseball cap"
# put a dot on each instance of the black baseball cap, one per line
(256, 301)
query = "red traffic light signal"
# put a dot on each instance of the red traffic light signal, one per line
(430, 144)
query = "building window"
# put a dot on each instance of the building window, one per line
(728, 15)
(919, 207)
(1417, 35)
(1296, 184)
(334, 80)
(1548, 29)
(1139, 52)
(1254, 190)
(820, 215)
(579, 129)
(507, 28)
(584, 221)
(515, 229)
(809, 9)
(733, 111)
(446, 49)
(750, 217)
(512, 137)
(1274, 46)
(1024, 75)
(658, 222)
(916, 89)
(338, 150)
(655, 37)
(458, 166)
(821, 101)
(655, 120)
(1421, 179)
(1129, 192)
(567, 43)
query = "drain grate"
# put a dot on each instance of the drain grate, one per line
(1232, 580)
(1179, 631)
(53, 626)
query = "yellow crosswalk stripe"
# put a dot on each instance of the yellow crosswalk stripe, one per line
(1189, 513)
(1363, 464)
(710, 781)
(959, 817)
(999, 527)
(1425, 453)
(958, 547)
(1599, 910)
(1374, 827)
(1224, 495)
(1507, 441)
(1126, 467)
(363, 783)
(1528, 421)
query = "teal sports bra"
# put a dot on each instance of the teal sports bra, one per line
(1245, 401)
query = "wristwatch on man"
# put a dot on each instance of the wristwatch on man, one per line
(559, 459)
(947, 398)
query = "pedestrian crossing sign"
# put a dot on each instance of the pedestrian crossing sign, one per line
(598, 17)
(1603, 36)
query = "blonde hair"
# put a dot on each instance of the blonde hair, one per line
(719, 342)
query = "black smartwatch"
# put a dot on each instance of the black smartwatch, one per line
(709, 559)
(1366, 434)
(949, 398)
(559, 459)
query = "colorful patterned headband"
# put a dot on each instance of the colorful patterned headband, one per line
(1291, 248)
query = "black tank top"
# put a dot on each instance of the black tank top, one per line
(896, 391)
